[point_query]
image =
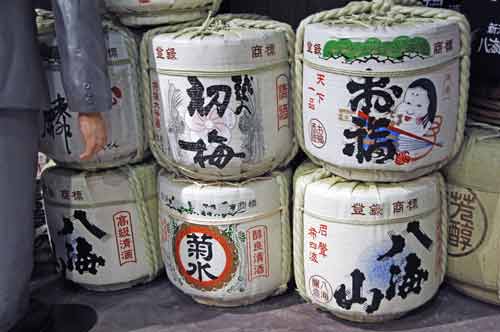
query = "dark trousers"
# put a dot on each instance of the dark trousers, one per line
(19, 135)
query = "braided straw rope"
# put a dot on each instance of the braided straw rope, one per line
(444, 225)
(244, 16)
(286, 238)
(390, 14)
(172, 8)
(46, 25)
(141, 179)
(308, 174)
(177, 12)
(192, 31)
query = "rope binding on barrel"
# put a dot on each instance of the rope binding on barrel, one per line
(218, 25)
(383, 13)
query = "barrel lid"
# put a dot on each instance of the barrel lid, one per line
(381, 48)
(221, 47)
(476, 166)
(338, 199)
(252, 198)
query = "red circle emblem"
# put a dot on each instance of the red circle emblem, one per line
(205, 258)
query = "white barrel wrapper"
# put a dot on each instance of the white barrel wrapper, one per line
(102, 238)
(367, 251)
(401, 116)
(156, 12)
(61, 139)
(221, 103)
(474, 215)
(226, 244)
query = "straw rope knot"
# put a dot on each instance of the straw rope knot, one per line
(382, 7)
(210, 27)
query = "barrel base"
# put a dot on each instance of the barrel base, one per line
(232, 303)
(485, 295)
(115, 287)
(367, 319)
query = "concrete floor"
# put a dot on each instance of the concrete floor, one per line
(159, 307)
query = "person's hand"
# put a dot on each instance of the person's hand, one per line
(93, 129)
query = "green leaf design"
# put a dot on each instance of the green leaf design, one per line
(396, 49)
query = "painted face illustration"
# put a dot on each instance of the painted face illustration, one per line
(416, 115)
(414, 107)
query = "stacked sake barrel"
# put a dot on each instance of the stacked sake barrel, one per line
(220, 126)
(380, 108)
(473, 193)
(103, 225)
(127, 143)
(102, 213)
(161, 12)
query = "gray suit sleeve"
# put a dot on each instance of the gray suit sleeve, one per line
(83, 53)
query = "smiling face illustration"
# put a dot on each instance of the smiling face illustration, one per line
(417, 111)
(415, 115)
(414, 107)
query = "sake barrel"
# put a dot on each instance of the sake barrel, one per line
(219, 98)
(61, 139)
(474, 215)
(104, 225)
(368, 251)
(384, 100)
(226, 244)
(159, 12)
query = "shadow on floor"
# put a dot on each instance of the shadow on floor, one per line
(73, 318)
(162, 307)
